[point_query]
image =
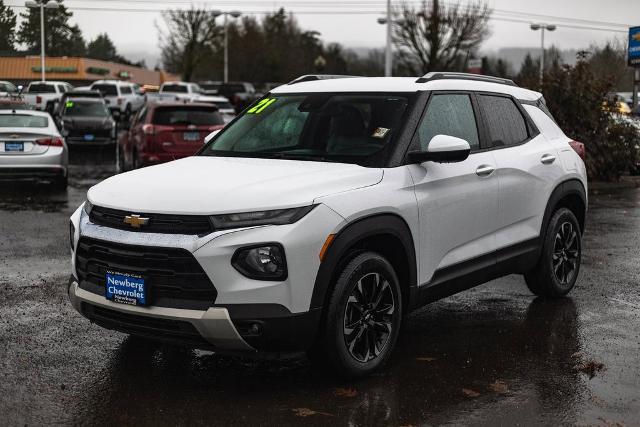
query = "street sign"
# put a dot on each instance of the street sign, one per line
(634, 47)
(474, 66)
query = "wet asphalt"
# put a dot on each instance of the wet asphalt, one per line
(494, 355)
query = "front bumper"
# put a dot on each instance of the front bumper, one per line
(213, 327)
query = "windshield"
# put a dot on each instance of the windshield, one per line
(85, 109)
(185, 116)
(174, 88)
(321, 127)
(41, 88)
(7, 87)
(22, 121)
(106, 90)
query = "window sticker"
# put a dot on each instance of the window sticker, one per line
(380, 132)
(69, 104)
(260, 106)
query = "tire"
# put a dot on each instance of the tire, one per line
(60, 183)
(347, 341)
(559, 265)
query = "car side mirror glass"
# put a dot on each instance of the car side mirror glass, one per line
(442, 149)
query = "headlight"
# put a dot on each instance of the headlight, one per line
(87, 207)
(265, 262)
(250, 219)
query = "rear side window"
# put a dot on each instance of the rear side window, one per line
(181, 116)
(175, 88)
(106, 90)
(449, 114)
(22, 121)
(505, 122)
(41, 88)
(126, 90)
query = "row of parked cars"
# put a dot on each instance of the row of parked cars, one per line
(38, 126)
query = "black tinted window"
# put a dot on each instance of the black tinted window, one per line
(41, 88)
(174, 88)
(181, 116)
(126, 90)
(505, 123)
(106, 90)
(449, 114)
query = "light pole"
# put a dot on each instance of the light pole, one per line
(542, 27)
(51, 4)
(233, 14)
(387, 56)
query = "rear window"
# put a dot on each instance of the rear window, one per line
(224, 105)
(232, 88)
(174, 88)
(106, 90)
(23, 121)
(178, 116)
(41, 88)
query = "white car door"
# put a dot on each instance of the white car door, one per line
(528, 168)
(457, 202)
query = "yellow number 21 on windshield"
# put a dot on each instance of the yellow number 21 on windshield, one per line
(260, 106)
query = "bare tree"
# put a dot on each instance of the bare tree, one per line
(437, 37)
(189, 37)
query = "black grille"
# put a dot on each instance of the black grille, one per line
(158, 223)
(163, 329)
(173, 276)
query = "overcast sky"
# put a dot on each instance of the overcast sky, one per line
(135, 34)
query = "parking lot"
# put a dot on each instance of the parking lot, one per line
(493, 355)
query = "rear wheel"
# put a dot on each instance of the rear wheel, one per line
(559, 264)
(363, 317)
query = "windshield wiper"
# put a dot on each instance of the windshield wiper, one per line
(291, 156)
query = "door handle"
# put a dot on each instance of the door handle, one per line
(484, 170)
(547, 159)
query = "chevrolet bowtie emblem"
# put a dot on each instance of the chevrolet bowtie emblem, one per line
(135, 221)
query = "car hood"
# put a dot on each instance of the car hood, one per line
(87, 122)
(210, 185)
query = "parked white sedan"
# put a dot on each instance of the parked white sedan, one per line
(31, 148)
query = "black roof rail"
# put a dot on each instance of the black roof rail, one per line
(312, 77)
(438, 75)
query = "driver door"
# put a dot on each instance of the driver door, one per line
(457, 202)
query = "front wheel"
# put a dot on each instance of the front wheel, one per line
(363, 316)
(559, 264)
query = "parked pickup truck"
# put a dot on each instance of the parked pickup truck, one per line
(45, 95)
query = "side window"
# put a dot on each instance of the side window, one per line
(449, 114)
(125, 90)
(62, 89)
(505, 122)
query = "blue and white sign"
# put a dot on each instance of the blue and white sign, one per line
(634, 47)
(125, 288)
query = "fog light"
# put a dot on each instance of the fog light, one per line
(261, 262)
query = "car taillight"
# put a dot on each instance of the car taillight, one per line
(148, 129)
(120, 101)
(578, 147)
(50, 142)
(38, 99)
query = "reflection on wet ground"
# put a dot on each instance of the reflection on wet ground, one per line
(491, 356)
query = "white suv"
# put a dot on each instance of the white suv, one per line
(121, 96)
(328, 210)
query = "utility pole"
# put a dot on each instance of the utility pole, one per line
(233, 14)
(388, 55)
(542, 27)
(51, 4)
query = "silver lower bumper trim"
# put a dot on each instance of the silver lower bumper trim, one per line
(213, 324)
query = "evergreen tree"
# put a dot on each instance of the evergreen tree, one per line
(61, 38)
(102, 48)
(7, 28)
(529, 75)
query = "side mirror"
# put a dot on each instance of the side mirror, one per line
(20, 89)
(442, 149)
(210, 136)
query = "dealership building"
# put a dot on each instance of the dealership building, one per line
(77, 71)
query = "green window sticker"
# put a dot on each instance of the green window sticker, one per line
(261, 105)
(69, 104)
